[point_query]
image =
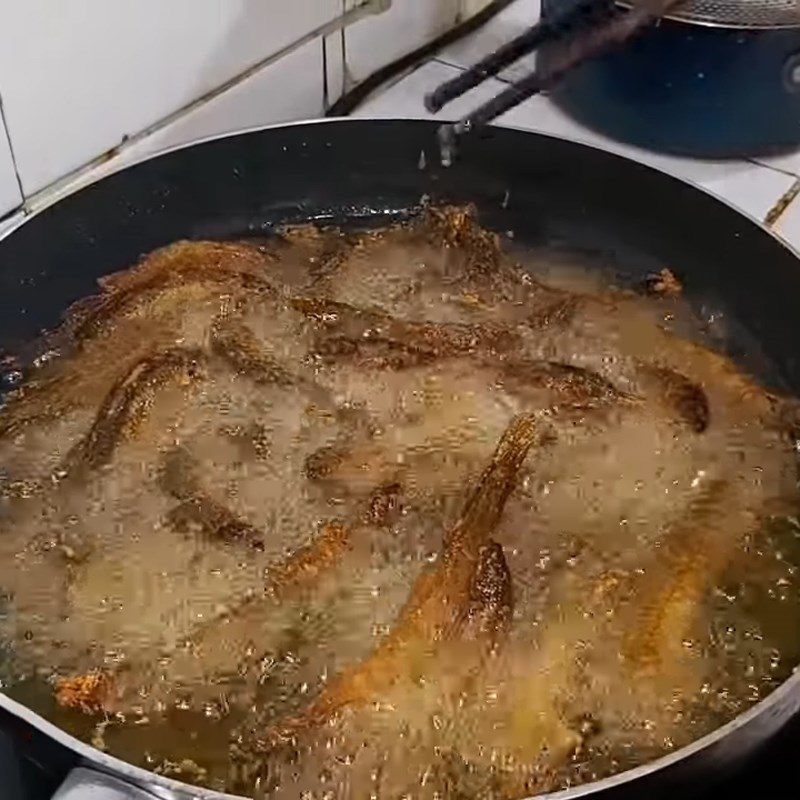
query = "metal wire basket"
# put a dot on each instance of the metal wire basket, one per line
(738, 13)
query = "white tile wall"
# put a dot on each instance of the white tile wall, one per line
(288, 89)
(505, 26)
(378, 40)
(77, 76)
(10, 195)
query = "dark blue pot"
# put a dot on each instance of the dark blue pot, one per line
(693, 90)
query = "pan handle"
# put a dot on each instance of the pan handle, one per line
(89, 784)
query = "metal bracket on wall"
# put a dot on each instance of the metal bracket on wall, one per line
(379, 6)
(364, 8)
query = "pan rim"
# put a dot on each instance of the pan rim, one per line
(78, 186)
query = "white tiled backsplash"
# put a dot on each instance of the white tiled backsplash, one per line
(78, 77)
(384, 37)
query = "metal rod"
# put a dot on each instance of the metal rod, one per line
(559, 25)
(487, 67)
(585, 45)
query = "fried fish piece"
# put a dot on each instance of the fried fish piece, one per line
(489, 277)
(236, 344)
(457, 227)
(441, 598)
(693, 553)
(335, 254)
(383, 504)
(488, 615)
(326, 250)
(325, 460)
(85, 693)
(214, 520)
(680, 395)
(663, 283)
(233, 341)
(553, 311)
(569, 386)
(237, 267)
(303, 567)
(376, 339)
(178, 478)
(129, 402)
(717, 372)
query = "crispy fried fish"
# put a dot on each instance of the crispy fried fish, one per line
(235, 267)
(567, 386)
(129, 402)
(233, 341)
(456, 227)
(375, 339)
(441, 600)
(693, 553)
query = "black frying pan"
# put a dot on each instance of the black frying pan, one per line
(546, 191)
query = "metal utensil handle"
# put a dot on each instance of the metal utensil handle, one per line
(89, 784)
(586, 12)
